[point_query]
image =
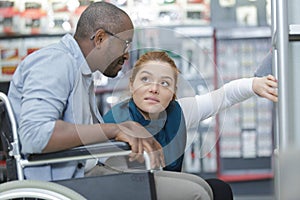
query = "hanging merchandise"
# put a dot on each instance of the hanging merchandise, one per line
(141, 12)
(247, 16)
(169, 13)
(15, 49)
(33, 16)
(10, 57)
(59, 17)
(195, 1)
(198, 57)
(78, 9)
(227, 3)
(246, 128)
(192, 154)
(118, 2)
(166, 1)
(167, 16)
(197, 69)
(268, 12)
(190, 54)
(197, 12)
(8, 17)
(208, 151)
(249, 138)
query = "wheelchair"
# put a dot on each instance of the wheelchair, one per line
(133, 185)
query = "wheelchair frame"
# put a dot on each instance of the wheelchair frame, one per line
(16, 162)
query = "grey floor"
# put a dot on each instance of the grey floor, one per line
(253, 190)
(254, 197)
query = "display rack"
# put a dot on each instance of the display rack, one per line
(55, 16)
(245, 133)
(23, 20)
(16, 47)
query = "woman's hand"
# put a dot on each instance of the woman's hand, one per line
(141, 140)
(266, 87)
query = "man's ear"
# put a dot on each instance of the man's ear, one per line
(99, 37)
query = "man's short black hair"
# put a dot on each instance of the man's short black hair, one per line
(100, 15)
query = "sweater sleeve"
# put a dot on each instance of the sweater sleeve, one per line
(201, 107)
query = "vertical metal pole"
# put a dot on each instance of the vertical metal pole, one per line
(275, 72)
(280, 59)
(275, 109)
(282, 49)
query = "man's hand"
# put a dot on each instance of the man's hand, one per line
(266, 87)
(141, 140)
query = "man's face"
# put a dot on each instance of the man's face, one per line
(115, 66)
(111, 54)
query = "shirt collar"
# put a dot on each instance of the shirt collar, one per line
(75, 50)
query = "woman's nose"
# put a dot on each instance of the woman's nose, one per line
(154, 88)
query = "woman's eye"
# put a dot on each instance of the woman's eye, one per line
(164, 84)
(145, 79)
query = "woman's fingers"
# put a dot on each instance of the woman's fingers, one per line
(272, 90)
(266, 87)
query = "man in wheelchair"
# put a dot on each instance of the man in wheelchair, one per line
(53, 102)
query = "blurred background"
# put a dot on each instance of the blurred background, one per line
(212, 42)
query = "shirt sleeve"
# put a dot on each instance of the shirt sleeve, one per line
(201, 107)
(47, 82)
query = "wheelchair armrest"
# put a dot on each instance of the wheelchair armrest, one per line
(105, 149)
(98, 149)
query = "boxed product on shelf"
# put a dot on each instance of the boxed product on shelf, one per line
(118, 2)
(59, 15)
(9, 58)
(31, 44)
(14, 50)
(8, 17)
(195, 1)
(197, 14)
(33, 16)
(208, 151)
(82, 5)
(192, 156)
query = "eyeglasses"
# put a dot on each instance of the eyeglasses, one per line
(127, 42)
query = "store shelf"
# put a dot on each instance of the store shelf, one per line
(194, 31)
(244, 33)
(294, 32)
(16, 47)
(252, 176)
(244, 149)
(22, 36)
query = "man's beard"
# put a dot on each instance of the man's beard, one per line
(113, 69)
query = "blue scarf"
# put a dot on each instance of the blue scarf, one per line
(169, 129)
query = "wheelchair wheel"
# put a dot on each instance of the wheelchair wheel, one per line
(32, 189)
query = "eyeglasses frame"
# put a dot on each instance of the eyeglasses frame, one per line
(127, 42)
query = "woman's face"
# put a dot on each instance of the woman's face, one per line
(153, 87)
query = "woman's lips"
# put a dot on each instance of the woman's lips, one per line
(151, 99)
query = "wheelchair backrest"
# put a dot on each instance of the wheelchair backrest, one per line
(5, 128)
(7, 139)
